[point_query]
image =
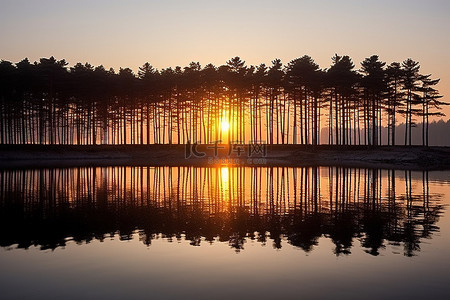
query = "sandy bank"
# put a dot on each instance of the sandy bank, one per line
(385, 157)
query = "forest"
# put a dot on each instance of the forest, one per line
(49, 102)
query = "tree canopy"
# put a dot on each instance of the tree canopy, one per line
(49, 102)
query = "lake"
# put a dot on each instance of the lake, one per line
(226, 232)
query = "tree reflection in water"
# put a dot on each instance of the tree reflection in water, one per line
(375, 208)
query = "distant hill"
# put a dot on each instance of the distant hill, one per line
(439, 134)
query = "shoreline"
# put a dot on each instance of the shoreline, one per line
(380, 157)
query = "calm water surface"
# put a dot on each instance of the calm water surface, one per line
(228, 232)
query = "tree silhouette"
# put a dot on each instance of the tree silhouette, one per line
(46, 102)
(394, 75)
(430, 98)
(411, 85)
(374, 85)
(342, 79)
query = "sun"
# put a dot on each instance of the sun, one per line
(225, 125)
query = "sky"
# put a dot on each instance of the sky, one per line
(119, 33)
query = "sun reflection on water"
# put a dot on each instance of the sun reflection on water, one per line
(225, 180)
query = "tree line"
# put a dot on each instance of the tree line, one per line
(48, 102)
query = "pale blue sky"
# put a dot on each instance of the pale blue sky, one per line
(169, 33)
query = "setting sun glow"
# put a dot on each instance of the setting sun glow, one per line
(224, 122)
(225, 126)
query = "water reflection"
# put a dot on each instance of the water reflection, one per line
(352, 207)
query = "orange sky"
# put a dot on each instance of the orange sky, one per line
(169, 33)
